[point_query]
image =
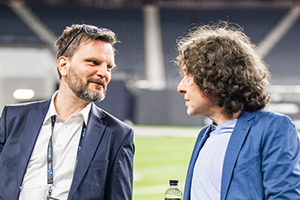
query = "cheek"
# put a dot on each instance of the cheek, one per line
(108, 77)
(87, 72)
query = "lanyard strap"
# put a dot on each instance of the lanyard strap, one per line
(50, 153)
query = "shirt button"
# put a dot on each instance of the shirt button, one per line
(59, 145)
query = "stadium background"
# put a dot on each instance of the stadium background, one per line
(143, 87)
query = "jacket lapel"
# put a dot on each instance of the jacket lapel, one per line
(235, 144)
(202, 137)
(32, 128)
(94, 133)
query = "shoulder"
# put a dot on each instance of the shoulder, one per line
(110, 119)
(25, 107)
(119, 133)
(263, 116)
(268, 122)
(271, 117)
(27, 104)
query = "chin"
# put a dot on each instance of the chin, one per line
(189, 113)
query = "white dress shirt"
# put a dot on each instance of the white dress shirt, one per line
(65, 141)
(207, 177)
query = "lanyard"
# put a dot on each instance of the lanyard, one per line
(50, 153)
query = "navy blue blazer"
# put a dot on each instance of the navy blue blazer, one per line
(105, 165)
(262, 160)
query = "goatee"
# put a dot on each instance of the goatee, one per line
(86, 94)
(81, 89)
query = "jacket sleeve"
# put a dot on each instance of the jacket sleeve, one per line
(2, 130)
(121, 180)
(281, 160)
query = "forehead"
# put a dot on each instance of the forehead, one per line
(95, 44)
(96, 48)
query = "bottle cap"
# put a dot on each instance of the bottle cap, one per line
(173, 181)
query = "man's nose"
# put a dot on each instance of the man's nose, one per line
(181, 87)
(103, 70)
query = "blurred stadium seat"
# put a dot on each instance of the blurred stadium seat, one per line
(177, 17)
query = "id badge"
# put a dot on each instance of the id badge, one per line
(49, 193)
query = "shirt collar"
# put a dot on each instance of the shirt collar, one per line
(52, 111)
(226, 125)
(230, 123)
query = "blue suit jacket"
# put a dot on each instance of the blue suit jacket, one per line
(105, 163)
(262, 160)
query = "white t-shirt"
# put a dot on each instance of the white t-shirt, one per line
(207, 177)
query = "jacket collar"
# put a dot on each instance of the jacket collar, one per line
(94, 132)
(236, 141)
(202, 137)
(32, 128)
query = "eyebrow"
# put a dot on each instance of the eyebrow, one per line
(100, 60)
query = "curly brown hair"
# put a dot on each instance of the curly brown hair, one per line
(225, 65)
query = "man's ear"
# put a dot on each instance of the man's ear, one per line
(63, 65)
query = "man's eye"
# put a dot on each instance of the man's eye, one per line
(109, 67)
(92, 62)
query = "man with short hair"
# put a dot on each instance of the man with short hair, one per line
(67, 147)
(246, 152)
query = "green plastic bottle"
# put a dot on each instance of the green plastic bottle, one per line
(173, 192)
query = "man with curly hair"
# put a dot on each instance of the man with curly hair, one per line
(246, 152)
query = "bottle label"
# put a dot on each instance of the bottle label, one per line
(172, 198)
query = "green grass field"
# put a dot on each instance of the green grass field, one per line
(158, 159)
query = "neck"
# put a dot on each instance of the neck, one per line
(223, 117)
(67, 105)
